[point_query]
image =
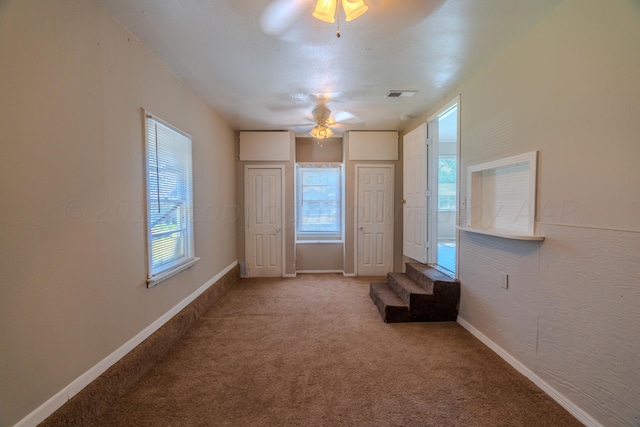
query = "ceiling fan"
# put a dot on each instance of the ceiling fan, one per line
(322, 120)
(279, 15)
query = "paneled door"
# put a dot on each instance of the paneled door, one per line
(374, 220)
(415, 194)
(263, 219)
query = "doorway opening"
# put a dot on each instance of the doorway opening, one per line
(445, 166)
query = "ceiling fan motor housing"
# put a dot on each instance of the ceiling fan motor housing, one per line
(321, 114)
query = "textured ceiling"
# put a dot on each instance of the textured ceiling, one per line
(266, 64)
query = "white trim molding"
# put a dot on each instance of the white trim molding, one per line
(567, 404)
(319, 271)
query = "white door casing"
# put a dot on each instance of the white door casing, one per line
(374, 219)
(264, 195)
(415, 194)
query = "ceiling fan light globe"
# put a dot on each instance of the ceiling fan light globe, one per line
(354, 9)
(321, 132)
(325, 11)
(326, 132)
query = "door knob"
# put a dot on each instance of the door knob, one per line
(361, 228)
(403, 201)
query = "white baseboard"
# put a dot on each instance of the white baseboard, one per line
(567, 404)
(318, 271)
(55, 402)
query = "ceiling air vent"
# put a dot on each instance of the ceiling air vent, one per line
(401, 93)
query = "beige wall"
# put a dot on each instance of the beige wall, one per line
(571, 316)
(320, 257)
(311, 150)
(72, 229)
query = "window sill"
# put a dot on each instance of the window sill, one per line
(151, 282)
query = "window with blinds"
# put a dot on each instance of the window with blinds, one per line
(319, 201)
(169, 200)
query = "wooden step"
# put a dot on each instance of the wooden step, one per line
(390, 305)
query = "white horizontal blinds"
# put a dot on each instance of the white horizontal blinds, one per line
(169, 196)
(319, 199)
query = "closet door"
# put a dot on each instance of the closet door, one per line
(263, 213)
(374, 221)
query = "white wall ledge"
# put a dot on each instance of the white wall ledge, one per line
(501, 233)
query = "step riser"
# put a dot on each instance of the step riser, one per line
(409, 298)
(390, 313)
(417, 277)
(422, 294)
(420, 304)
(402, 292)
(447, 297)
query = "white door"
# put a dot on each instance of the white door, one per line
(374, 220)
(263, 216)
(415, 225)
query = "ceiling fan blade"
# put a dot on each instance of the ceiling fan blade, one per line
(343, 116)
(298, 125)
(279, 15)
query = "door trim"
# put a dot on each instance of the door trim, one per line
(434, 118)
(282, 215)
(355, 216)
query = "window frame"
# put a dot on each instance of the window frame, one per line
(183, 179)
(319, 236)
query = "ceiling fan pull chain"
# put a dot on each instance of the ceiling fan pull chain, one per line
(338, 17)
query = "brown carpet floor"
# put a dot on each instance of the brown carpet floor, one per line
(313, 351)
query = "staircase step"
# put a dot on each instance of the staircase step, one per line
(446, 291)
(415, 296)
(408, 289)
(426, 276)
(390, 305)
(422, 294)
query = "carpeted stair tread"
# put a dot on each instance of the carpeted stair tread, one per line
(390, 305)
(426, 276)
(422, 294)
(407, 288)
